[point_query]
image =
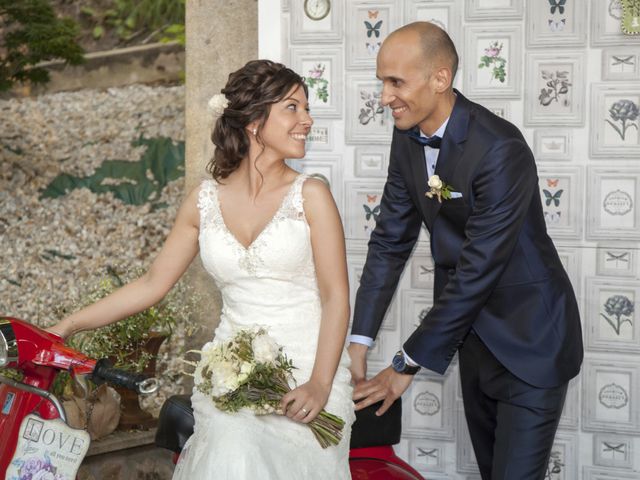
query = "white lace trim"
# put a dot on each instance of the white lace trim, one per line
(291, 208)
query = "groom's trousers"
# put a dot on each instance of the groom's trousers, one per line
(512, 424)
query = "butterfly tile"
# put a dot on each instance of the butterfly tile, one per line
(556, 23)
(368, 24)
(560, 191)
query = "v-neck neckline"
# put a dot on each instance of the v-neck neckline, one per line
(244, 247)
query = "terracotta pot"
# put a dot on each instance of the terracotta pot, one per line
(132, 417)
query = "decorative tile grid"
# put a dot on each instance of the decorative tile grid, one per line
(538, 73)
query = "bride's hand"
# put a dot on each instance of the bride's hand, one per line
(305, 402)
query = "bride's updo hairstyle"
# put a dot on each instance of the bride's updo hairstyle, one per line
(250, 92)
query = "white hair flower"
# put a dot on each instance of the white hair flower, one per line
(217, 104)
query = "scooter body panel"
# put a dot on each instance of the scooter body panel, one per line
(376, 469)
(380, 463)
(15, 405)
(40, 356)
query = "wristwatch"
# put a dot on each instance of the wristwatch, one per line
(399, 364)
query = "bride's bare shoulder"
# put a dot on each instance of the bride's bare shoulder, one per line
(317, 197)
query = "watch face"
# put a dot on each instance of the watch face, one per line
(317, 9)
(398, 363)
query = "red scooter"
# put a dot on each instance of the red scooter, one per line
(34, 435)
(371, 456)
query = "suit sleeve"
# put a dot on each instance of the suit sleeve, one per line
(503, 189)
(390, 245)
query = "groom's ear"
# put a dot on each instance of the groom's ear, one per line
(441, 79)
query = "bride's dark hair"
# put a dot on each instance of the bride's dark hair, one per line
(250, 92)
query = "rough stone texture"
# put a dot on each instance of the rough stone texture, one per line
(221, 37)
(158, 62)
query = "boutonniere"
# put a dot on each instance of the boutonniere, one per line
(438, 188)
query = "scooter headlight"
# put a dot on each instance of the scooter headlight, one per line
(8, 344)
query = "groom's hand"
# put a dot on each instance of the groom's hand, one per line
(358, 354)
(388, 385)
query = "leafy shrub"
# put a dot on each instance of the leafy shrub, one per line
(31, 33)
(134, 18)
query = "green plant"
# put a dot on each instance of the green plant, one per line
(134, 183)
(134, 18)
(31, 34)
(176, 32)
(121, 340)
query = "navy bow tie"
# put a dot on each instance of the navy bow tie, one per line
(433, 141)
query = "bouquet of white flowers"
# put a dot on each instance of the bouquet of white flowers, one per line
(251, 371)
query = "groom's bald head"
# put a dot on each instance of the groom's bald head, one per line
(436, 48)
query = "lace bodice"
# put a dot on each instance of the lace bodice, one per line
(262, 254)
(277, 268)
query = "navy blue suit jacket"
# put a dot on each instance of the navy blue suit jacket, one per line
(496, 269)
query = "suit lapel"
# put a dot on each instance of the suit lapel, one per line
(451, 151)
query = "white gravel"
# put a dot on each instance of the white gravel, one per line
(74, 132)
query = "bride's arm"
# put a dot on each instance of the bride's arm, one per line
(327, 241)
(179, 249)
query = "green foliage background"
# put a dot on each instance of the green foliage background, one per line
(31, 33)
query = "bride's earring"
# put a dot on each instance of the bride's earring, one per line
(254, 131)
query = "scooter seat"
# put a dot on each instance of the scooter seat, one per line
(175, 425)
(369, 430)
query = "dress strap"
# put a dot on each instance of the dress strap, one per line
(207, 202)
(297, 200)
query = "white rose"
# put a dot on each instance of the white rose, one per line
(265, 349)
(224, 378)
(245, 370)
(435, 182)
(217, 104)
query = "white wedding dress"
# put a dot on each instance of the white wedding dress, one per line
(272, 283)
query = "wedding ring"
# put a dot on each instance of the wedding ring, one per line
(304, 410)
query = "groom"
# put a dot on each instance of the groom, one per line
(501, 296)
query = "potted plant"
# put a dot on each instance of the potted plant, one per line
(132, 344)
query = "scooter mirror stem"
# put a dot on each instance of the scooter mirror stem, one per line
(37, 391)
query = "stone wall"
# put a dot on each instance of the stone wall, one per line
(154, 63)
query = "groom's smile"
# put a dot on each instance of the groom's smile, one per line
(397, 111)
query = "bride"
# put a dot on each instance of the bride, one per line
(273, 241)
